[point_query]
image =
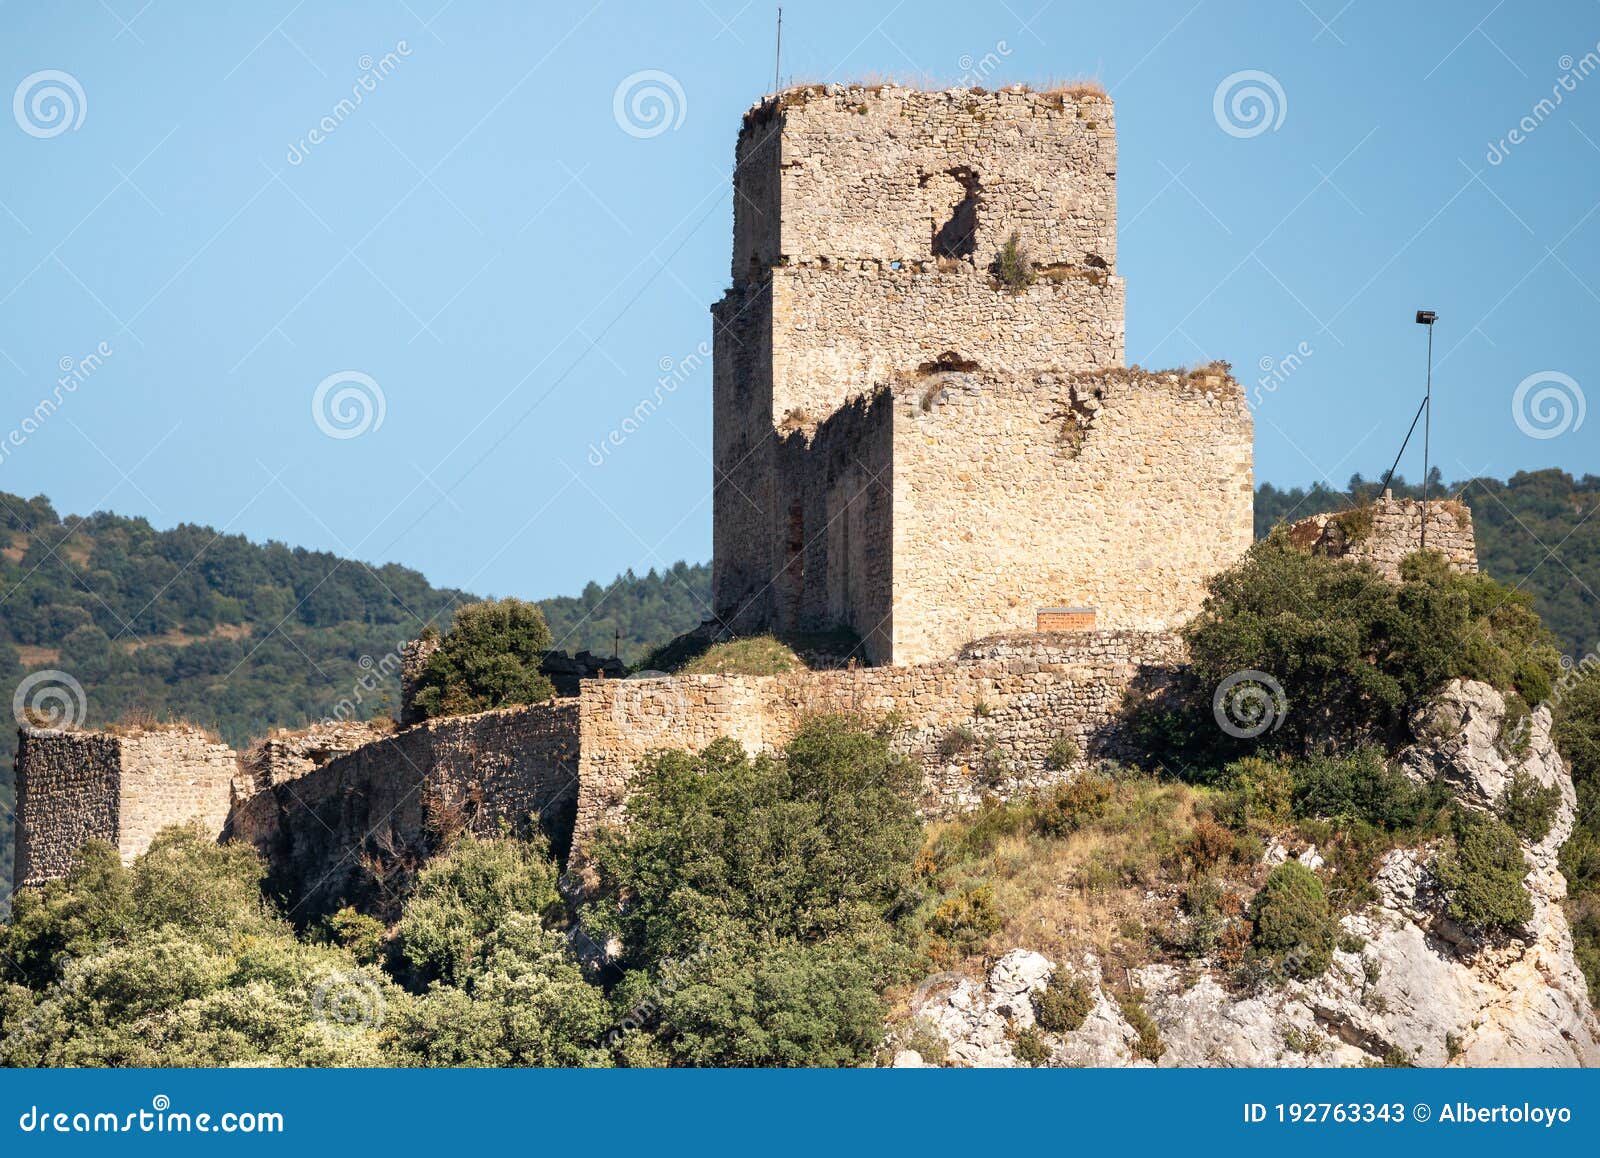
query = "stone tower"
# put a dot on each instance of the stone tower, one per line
(906, 445)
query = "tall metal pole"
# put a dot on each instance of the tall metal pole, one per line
(1427, 427)
(777, 59)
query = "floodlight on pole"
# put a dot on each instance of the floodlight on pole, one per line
(1427, 318)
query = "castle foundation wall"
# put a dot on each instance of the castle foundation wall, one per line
(350, 830)
(983, 723)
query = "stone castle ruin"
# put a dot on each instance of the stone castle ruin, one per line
(950, 464)
(908, 448)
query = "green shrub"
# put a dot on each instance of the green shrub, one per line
(1073, 804)
(523, 1001)
(1481, 870)
(1064, 1003)
(1350, 650)
(1362, 787)
(1516, 727)
(176, 961)
(1310, 1043)
(490, 658)
(357, 932)
(1202, 901)
(957, 740)
(1261, 790)
(1062, 754)
(1584, 913)
(1293, 924)
(461, 898)
(1030, 1047)
(1576, 729)
(756, 655)
(1529, 807)
(724, 848)
(967, 919)
(1148, 1044)
(788, 1004)
(1012, 267)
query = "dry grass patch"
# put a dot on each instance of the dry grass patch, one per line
(1108, 885)
(757, 655)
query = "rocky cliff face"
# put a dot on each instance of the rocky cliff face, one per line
(1420, 989)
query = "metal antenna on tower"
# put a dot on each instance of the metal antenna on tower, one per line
(777, 59)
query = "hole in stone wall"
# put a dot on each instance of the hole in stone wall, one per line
(949, 361)
(958, 237)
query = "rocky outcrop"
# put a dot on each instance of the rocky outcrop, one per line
(1418, 990)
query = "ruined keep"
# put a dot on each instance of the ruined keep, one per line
(1384, 532)
(910, 442)
(909, 447)
(121, 787)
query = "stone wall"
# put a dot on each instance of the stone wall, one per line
(1123, 491)
(840, 332)
(1016, 695)
(834, 541)
(352, 829)
(287, 754)
(343, 827)
(120, 787)
(1386, 531)
(68, 786)
(876, 172)
(172, 776)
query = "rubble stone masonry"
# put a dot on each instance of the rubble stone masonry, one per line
(121, 787)
(985, 722)
(1386, 531)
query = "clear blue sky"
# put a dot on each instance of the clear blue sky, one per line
(484, 241)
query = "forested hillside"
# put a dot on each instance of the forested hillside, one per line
(193, 624)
